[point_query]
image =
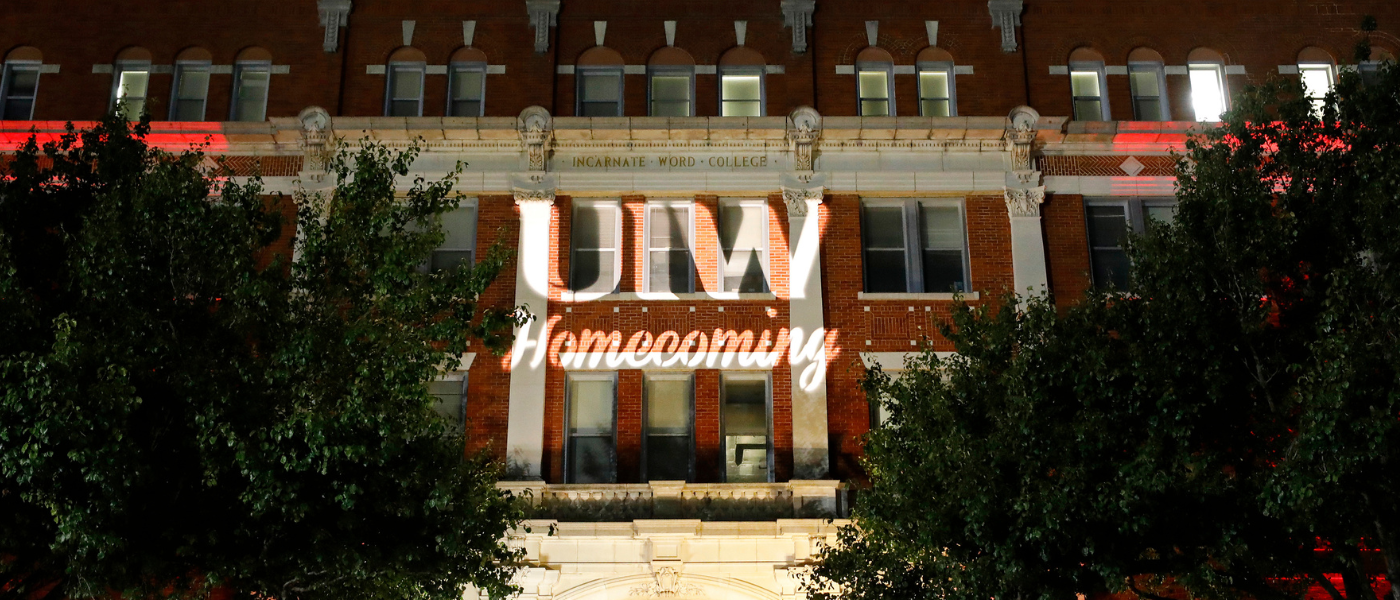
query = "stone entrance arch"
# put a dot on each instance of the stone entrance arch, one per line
(667, 583)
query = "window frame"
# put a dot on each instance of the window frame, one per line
(466, 202)
(7, 70)
(453, 70)
(584, 71)
(1163, 106)
(646, 241)
(462, 381)
(725, 378)
(239, 68)
(616, 205)
(1224, 90)
(181, 68)
(1098, 69)
(391, 70)
(741, 203)
(744, 71)
(882, 67)
(670, 71)
(122, 66)
(568, 457)
(949, 72)
(914, 252)
(1318, 102)
(1133, 213)
(688, 376)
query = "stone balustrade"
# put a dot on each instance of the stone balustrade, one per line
(681, 500)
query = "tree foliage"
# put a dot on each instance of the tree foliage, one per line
(1229, 429)
(176, 414)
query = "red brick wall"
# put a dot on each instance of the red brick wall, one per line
(488, 382)
(1067, 247)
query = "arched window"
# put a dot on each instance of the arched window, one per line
(1318, 70)
(131, 78)
(937, 86)
(190, 92)
(875, 82)
(1147, 78)
(741, 92)
(1088, 85)
(19, 83)
(403, 92)
(671, 83)
(252, 76)
(1209, 95)
(466, 83)
(599, 77)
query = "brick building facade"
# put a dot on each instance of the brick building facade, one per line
(723, 211)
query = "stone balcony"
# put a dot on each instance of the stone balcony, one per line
(797, 499)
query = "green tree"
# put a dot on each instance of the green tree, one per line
(177, 414)
(1229, 429)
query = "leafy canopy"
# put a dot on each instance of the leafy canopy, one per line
(176, 413)
(1229, 429)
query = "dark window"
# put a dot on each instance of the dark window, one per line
(191, 92)
(669, 264)
(590, 454)
(19, 86)
(743, 245)
(1148, 84)
(914, 247)
(405, 90)
(593, 248)
(670, 438)
(250, 85)
(599, 91)
(1109, 222)
(748, 450)
(468, 87)
(458, 247)
(451, 399)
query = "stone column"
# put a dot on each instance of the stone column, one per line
(807, 354)
(1024, 196)
(534, 195)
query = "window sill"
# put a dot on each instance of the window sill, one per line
(625, 296)
(898, 296)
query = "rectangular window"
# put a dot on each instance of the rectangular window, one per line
(669, 264)
(451, 399)
(1318, 80)
(599, 92)
(1207, 90)
(468, 86)
(590, 446)
(132, 79)
(458, 247)
(670, 439)
(671, 90)
(912, 246)
(593, 253)
(876, 90)
(1149, 84)
(250, 84)
(743, 245)
(745, 414)
(1109, 223)
(936, 86)
(191, 91)
(1370, 71)
(1087, 86)
(741, 93)
(404, 95)
(19, 86)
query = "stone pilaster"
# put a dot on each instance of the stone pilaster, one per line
(534, 194)
(1024, 195)
(803, 192)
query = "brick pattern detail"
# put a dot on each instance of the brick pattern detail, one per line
(267, 166)
(1105, 166)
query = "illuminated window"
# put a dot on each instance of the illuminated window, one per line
(458, 247)
(467, 81)
(913, 246)
(741, 92)
(668, 234)
(593, 252)
(1317, 82)
(1147, 78)
(669, 449)
(250, 85)
(745, 413)
(590, 445)
(450, 399)
(191, 91)
(1109, 221)
(936, 90)
(875, 85)
(1087, 84)
(670, 89)
(129, 94)
(743, 245)
(404, 94)
(19, 86)
(1207, 91)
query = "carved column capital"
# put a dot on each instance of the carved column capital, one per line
(543, 14)
(1006, 15)
(334, 14)
(797, 14)
(1025, 202)
(533, 188)
(799, 189)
